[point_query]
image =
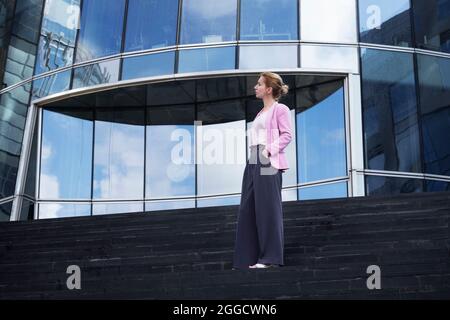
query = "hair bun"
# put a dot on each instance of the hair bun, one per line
(284, 89)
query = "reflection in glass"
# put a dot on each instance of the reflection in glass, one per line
(169, 205)
(390, 111)
(281, 56)
(328, 21)
(63, 210)
(66, 155)
(170, 152)
(385, 22)
(216, 202)
(144, 17)
(289, 195)
(58, 34)
(27, 211)
(97, 73)
(269, 20)
(119, 153)
(13, 111)
(7, 10)
(434, 86)
(329, 57)
(55, 83)
(436, 186)
(432, 24)
(155, 65)
(114, 208)
(324, 191)
(101, 29)
(207, 59)
(321, 132)
(205, 21)
(220, 147)
(378, 185)
(5, 211)
(20, 43)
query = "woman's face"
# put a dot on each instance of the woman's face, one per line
(261, 90)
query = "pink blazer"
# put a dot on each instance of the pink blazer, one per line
(279, 134)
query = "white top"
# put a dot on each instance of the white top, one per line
(258, 131)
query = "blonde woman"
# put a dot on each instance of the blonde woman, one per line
(259, 234)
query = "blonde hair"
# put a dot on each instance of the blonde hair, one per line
(274, 81)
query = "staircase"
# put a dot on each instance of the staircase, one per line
(187, 254)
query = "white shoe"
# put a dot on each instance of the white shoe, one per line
(259, 266)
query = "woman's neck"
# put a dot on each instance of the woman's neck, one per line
(268, 102)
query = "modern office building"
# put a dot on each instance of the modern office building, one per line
(98, 96)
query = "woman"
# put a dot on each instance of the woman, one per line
(259, 235)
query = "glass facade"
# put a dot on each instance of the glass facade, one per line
(388, 60)
(144, 17)
(58, 34)
(269, 20)
(20, 39)
(434, 84)
(385, 22)
(432, 24)
(100, 29)
(136, 144)
(391, 131)
(205, 21)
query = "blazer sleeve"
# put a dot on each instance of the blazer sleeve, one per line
(285, 131)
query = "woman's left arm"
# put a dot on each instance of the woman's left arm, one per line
(285, 128)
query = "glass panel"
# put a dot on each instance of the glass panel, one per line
(378, 185)
(169, 205)
(207, 59)
(385, 22)
(155, 65)
(119, 153)
(432, 24)
(55, 83)
(63, 210)
(220, 147)
(27, 212)
(5, 211)
(170, 152)
(216, 202)
(205, 21)
(66, 154)
(434, 84)
(30, 184)
(58, 34)
(436, 186)
(390, 111)
(97, 73)
(329, 57)
(328, 21)
(6, 21)
(325, 191)
(13, 111)
(289, 195)
(281, 56)
(171, 93)
(101, 29)
(269, 20)
(116, 208)
(144, 17)
(321, 152)
(24, 36)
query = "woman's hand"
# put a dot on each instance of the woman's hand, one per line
(265, 153)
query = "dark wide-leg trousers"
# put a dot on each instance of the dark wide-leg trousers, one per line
(259, 234)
